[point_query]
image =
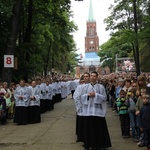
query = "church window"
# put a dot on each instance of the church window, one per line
(88, 31)
(90, 49)
(91, 31)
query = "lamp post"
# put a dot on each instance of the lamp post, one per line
(116, 63)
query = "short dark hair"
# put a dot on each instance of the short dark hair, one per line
(95, 73)
(22, 80)
(128, 80)
(86, 73)
(122, 92)
(82, 77)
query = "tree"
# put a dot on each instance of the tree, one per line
(12, 36)
(44, 40)
(128, 20)
(110, 49)
(5, 14)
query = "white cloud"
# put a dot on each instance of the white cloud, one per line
(80, 10)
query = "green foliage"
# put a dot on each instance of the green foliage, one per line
(44, 38)
(110, 49)
(144, 53)
(5, 14)
(123, 36)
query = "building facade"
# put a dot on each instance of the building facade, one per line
(91, 61)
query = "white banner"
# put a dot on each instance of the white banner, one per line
(125, 64)
(8, 61)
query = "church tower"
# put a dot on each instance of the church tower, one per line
(91, 60)
(91, 38)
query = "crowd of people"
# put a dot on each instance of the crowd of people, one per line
(127, 95)
(24, 102)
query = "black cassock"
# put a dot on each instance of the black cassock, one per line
(96, 133)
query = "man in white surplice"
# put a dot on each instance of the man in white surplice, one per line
(80, 118)
(73, 86)
(21, 96)
(93, 98)
(34, 113)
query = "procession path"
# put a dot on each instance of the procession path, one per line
(57, 132)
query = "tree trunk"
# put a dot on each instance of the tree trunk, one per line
(47, 61)
(27, 38)
(134, 54)
(12, 37)
(136, 38)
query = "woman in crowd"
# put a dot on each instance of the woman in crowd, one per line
(141, 84)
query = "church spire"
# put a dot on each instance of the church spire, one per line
(91, 14)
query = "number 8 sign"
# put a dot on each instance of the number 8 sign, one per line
(9, 61)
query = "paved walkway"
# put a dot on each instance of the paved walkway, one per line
(57, 132)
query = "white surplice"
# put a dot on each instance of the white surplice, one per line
(90, 106)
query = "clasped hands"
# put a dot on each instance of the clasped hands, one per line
(91, 94)
(32, 98)
(21, 97)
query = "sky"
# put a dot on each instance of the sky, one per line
(80, 16)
